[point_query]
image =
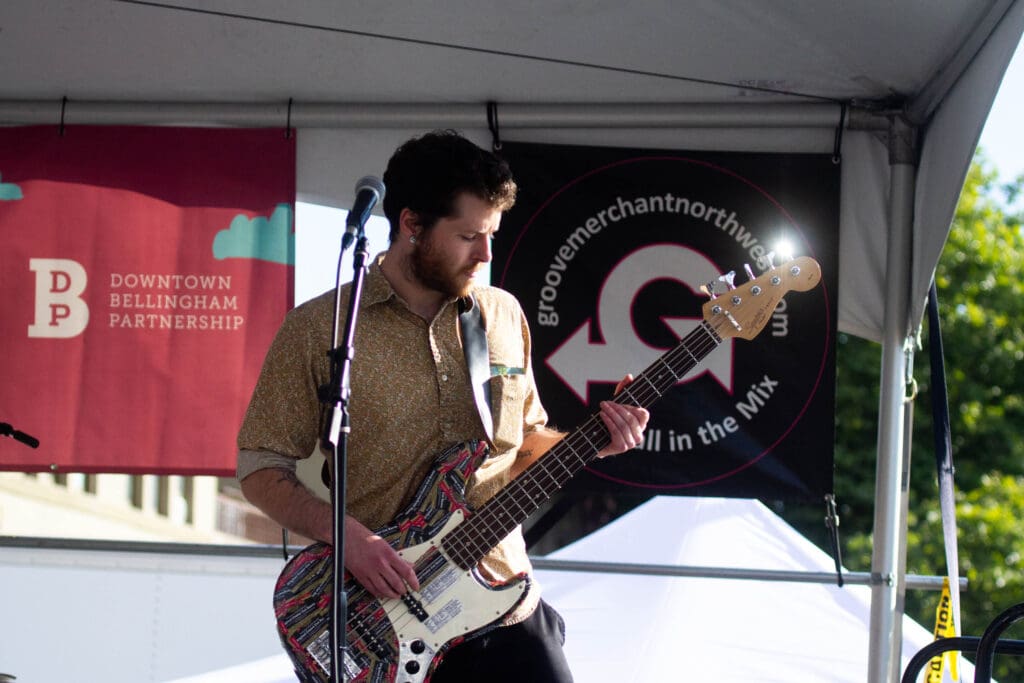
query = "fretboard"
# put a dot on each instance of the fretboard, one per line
(510, 507)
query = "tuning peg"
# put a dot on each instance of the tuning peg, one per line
(728, 279)
(754, 289)
(709, 289)
(770, 258)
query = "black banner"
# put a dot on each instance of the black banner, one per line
(607, 249)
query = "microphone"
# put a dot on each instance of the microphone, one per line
(27, 439)
(369, 191)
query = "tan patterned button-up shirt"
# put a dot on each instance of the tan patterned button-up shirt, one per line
(411, 397)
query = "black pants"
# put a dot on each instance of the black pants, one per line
(528, 651)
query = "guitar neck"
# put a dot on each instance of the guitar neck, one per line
(511, 506)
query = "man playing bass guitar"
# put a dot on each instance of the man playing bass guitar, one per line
(411, 398)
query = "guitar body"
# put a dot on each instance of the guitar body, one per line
(397, 641)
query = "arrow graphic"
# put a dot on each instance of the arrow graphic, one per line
(578, 362)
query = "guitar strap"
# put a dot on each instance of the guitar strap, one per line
(474, 343)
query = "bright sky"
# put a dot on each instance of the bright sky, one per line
(318, 243)
(1002, 139)
(320, 228)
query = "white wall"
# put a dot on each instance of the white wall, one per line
(132, 617)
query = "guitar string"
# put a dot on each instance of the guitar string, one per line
(644, 397)
(642, 391)
(356, 594)
(405, 616)
(422, 563)
(468, 550)
(694, 347)
(374, 603)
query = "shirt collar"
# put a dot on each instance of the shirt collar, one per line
(377, 289)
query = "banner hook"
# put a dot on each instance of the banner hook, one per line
(908, 371)
(837, 145)
(63, 109)
(492, 123)
(832, 524)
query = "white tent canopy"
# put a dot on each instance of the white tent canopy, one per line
(915, 79)
(703, 75)
(635, 629)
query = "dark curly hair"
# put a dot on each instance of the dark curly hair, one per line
(427, 173)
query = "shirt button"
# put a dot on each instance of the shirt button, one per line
(444, 378)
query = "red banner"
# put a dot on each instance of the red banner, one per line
(144, 272)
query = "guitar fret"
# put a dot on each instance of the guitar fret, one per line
(523, 511)
(538, 493)
(651, 384)
(669, 368)
(550, 475)
(711, 333)
(467, 549)
(692, 357)
(494, 531)
(455, 548)
(527, 492)
(582, 459)
(472, 539)
(579, 459)
(569, 473)
(563, 474)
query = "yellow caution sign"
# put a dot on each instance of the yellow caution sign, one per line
(944, 628)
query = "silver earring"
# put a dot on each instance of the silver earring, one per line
(412, 239)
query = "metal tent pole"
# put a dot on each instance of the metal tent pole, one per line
(883, 653)
(426, 115)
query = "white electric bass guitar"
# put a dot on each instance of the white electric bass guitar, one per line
(403, 641)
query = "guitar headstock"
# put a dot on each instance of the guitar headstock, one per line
(743, 311)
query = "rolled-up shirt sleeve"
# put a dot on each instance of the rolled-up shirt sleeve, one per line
(253, 461)
(282, 421)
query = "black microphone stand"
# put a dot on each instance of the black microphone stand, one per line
(335, 439)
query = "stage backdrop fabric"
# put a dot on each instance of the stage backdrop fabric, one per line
(144, 273)
(607, 249)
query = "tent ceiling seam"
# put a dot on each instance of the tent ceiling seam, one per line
(920, 109)
(295, 114)
(479, 50)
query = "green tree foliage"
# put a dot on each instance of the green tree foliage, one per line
(980, 283)
(982, 310)
(991, 546)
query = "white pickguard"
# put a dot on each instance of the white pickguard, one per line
(457, 602)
